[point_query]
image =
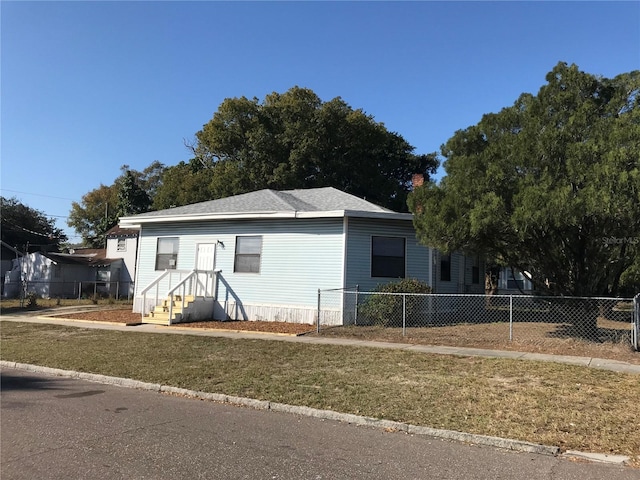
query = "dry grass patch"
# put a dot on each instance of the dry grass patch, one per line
(534, 337)
(572, 407)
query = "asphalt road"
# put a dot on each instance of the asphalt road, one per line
(60, 428)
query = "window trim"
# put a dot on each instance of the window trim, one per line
(236, 256)
(173, 254)
(374, 272)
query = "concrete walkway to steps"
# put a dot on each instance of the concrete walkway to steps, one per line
(600, 363)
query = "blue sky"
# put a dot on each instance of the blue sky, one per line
(90, 86)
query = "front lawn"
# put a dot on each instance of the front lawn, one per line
(569, 406)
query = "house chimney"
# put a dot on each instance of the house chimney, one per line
(417, 180)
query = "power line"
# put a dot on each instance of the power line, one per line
(31, 231)
(36, 194)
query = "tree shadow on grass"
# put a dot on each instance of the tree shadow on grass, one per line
(598, 335)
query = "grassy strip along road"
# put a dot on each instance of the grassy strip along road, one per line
(573, 407)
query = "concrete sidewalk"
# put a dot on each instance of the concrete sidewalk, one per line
(591, 362)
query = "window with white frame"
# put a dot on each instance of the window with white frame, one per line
(388, 257)
(122, 245)
(167, 253)
(248, 253)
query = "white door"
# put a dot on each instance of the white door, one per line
(206, 256)
(205, 263)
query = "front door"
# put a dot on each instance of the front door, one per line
(205, 264)
(206, 257)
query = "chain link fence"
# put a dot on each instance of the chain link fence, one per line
(77, 289)
(482, 320)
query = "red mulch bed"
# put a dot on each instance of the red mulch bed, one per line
(127, 317)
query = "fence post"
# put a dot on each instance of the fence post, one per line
(510, 318)
(318, 320)
(79, 291)
(404, 314)
(355, 319)
(635, 326)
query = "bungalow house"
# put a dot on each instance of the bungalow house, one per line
(263, 255)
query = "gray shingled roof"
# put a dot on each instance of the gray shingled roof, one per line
(271, 201)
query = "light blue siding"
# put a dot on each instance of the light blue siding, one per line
(298, 257)
(359, 233)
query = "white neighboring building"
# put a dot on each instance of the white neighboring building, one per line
(123, 243)
(106, 271)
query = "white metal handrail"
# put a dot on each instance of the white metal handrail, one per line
(182, 283)
(156, 283)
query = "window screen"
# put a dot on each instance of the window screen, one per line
(248, 252)
(167, 253)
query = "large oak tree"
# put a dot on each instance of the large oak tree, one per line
(295, 140)
(550, 186)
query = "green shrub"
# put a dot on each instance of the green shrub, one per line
(31, 300)
(384, 309)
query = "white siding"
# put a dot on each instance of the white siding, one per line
(128, 256)
(358, 261)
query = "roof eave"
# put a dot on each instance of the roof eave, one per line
(379, 215)
(137, 222)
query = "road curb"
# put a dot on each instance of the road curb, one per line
(505, 443)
